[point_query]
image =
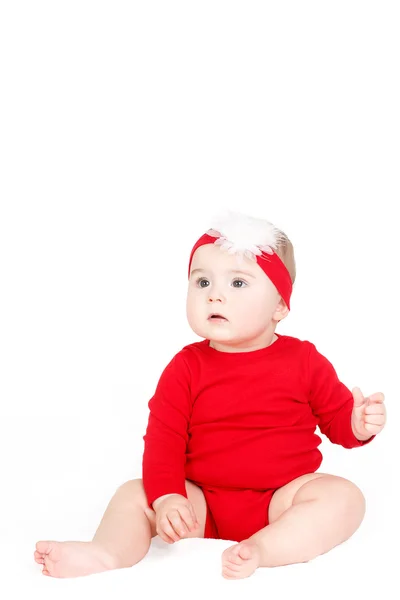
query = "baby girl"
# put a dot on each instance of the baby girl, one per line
(230, 447)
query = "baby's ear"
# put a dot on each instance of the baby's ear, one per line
(281, 311)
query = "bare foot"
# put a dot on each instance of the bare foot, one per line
(72, 559)
(241, 560)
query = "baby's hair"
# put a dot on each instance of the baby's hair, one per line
(285, 251)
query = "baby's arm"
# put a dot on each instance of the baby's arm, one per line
(331, 401)
(157, 501)
(166, 436)
(165, 453)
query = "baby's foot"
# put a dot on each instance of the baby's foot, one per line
(72, 559)
(240, 560)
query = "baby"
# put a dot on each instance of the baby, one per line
(230, 447)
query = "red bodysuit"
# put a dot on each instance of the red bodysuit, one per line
(241, 425)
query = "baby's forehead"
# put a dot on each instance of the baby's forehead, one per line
(212, 258)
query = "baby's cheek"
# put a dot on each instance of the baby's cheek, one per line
(196, 320)
(256, 316)
(190, 307)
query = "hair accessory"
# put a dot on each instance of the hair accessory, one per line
(256, 239)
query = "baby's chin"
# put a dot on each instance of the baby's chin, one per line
(218, 331)
(218, 338)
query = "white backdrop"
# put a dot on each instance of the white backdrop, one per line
(124, 127)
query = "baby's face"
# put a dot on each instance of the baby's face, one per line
(238, 290)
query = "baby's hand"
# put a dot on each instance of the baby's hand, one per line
(369, 414)
(175, 517)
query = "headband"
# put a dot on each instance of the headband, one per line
(261, 249)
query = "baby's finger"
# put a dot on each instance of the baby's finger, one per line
(177, 523)
(375, 409)
(166, 527)
(176, 528)
(373, 429)
(164, 536)
(375, 419)
(188, 517)
(378, 397)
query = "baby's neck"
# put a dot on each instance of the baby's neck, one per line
(248, 348)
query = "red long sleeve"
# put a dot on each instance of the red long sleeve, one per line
(243, 420)
(331, 401)
(167, 433)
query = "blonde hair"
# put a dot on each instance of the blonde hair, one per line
(285, 251)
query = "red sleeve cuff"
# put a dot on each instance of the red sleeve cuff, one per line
(154, 492)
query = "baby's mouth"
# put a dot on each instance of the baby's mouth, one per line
(216, 317)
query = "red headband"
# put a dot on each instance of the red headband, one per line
(271, 264)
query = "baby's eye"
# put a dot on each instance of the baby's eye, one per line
(202, 280)
(241, 283)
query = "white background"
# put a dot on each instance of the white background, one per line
(124, 127)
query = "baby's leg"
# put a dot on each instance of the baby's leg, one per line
(307, 517)
(121, 540)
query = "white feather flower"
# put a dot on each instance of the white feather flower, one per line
(244, 235)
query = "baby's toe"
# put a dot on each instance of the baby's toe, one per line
(230, 574)
(231, 556)
(43, 547)
(231, 571)
(246, 552)
(234, 559)
(240, 561)
(231, 568)
(38, 557)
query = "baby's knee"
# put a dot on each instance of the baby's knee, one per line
(133, 490)
(352, 500)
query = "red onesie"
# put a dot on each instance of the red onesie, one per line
(241, 425)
